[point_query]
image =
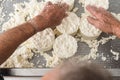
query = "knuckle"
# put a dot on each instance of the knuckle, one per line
(101, 15)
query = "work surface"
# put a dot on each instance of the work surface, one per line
(110, 63)
(83, 49)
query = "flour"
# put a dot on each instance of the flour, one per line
(82, 2)
(23, 14)
(104, 40)
(2, 15)
(116, 55)
(94, 44)
(103, 57)
(51, 61)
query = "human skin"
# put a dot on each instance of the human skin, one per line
(51, 16)
(11, 39)
(104, 20)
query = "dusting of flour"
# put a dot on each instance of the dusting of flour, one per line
(24, 53)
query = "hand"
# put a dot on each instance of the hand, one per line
(103, 20)
(51, 16)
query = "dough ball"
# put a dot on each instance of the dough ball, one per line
(65, 46)
(69, 24)
(44, 40)
(88, 31)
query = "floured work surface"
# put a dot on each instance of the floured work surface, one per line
(105, 50)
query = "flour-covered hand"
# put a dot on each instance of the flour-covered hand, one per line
(104, 20)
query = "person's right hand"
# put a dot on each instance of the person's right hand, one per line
(51, 16)
(103, 20)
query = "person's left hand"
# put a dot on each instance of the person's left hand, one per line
(103, 20)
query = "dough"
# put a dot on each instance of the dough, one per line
(88, 31)
(69, 2)
(65, 46)
(34, 7)
(20, 58)
(21, 15)
(44, 40)
(69, 24)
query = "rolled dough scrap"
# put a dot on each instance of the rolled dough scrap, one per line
(65, 46)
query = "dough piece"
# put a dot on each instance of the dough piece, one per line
(65, 46)
(34, 7)
(88, 31)
(44, 40)
(69, 2)
(98, 3)
(19, 59)
(69, 24)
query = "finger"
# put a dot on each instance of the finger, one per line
(94, 22)
(65, 6)
(105, 12)
(49, 3)
(102, 9)
(93, 10)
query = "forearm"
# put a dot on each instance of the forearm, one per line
(51, 16)
(12, 38)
